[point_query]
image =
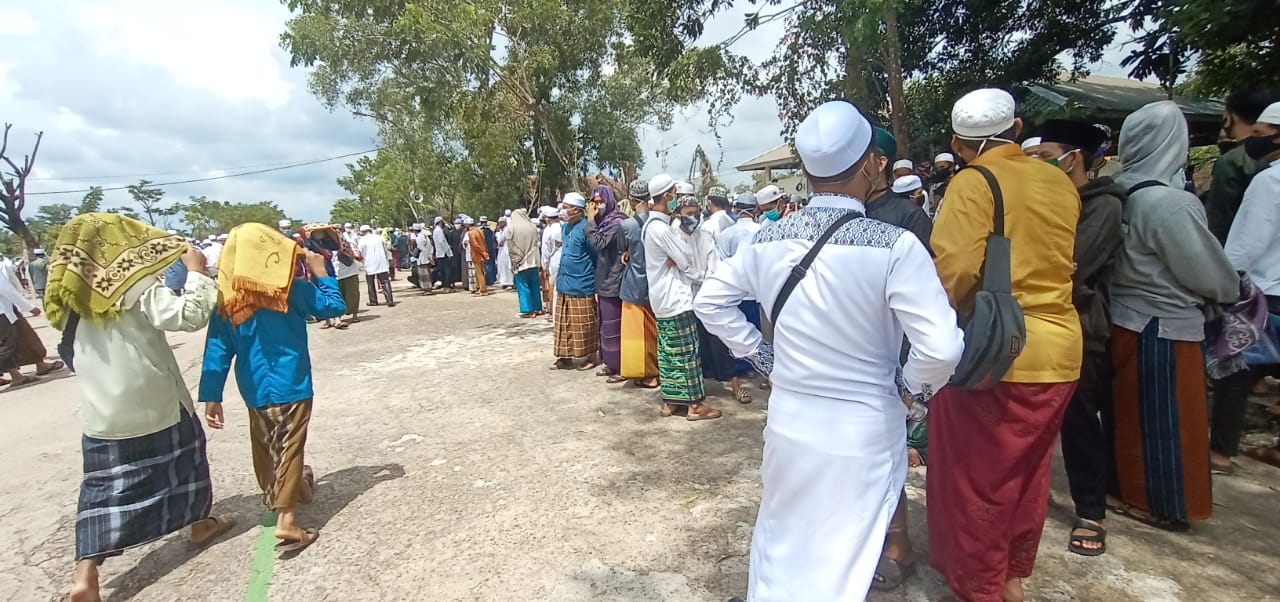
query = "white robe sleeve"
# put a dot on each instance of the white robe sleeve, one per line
(716, 306)
(918, 301)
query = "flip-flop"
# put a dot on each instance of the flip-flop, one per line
(309, 537)
(605, 371)
(55, 366)
(342, 326)
(1075, 543)
(742, 396)
(615, 379)
(890, 574)
(26, 382)
(222, 526)
(1163, 524)
(710, 414)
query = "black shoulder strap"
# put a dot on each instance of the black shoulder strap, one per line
(798, 272)
(1146, 184)
(997, 219)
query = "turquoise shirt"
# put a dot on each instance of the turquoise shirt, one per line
(577, 275)
(273, 364)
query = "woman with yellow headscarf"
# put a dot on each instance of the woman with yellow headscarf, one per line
(146, 473)
(261, 323)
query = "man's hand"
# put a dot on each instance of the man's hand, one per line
(37, 311)
(194, 260)
(626, 257)
(213, 414)
(592, 210)
(671, 263)
(316, 265)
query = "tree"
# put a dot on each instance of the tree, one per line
(48, 222)
(13, 189)
(206, 216)
(1225, 45)
(148, 201)
(92, 201)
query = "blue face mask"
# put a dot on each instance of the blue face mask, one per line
(771, 215)
(690, 222)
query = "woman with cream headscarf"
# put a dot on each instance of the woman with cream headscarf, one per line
(262, 322)
(524, 246)
(145, 470)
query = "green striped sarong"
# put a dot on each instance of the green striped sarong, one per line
(679, 363)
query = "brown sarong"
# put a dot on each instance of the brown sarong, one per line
(31, 349)
(278, 433)
(577, 328)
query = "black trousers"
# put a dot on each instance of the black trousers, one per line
(1088, 429)
(376, 280)
(1226, 419)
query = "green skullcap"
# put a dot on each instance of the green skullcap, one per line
(886, 143)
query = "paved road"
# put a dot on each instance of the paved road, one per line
(454, 466)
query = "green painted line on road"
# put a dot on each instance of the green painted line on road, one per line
(264, 560)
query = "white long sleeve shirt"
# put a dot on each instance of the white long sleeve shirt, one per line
(670, 286)
(735, 236)
(11, 296)
(130, 383)
(839, 335)
(374, 251)
(441, 243)
(1253, 244)
(552, 239)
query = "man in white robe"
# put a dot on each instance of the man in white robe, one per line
(835, 443)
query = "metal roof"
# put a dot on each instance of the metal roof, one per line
(782, 157)
(1110, 99)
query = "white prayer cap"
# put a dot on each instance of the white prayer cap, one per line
(284, 223)
(746, 200)
(982, 114)
(903, 164)
(945, 157)
(483, 219)
(166, 232)
(222, 237)
(1030, 142)
(212, 237)
(769, 194)
(833, 138)
(347, 225)
(907, 184)
(683, 188)
(459, 220)
(469, 221)
(574, 199)
(547, 211)
(366, 228)
(1271, 114)
(507, 213)
(502, 220)
(659, 185)
(41, 251)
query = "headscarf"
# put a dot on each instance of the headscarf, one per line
(255, 271)
(611, 216)
(523, 242)
(98, 258)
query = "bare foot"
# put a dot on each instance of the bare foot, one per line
(1013, 590)
(913, 458)
(205, 531)
(84, 587)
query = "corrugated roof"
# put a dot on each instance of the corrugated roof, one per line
(778, 158)
(1114, 95)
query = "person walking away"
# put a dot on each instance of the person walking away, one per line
(479, 254)
(668, 263)
(403, 244)
(524, 245)
(639, 334)
(835, 442)
(211, 253)
(1169, 270)
(506, 277)
(327, 240)
(577, 326)
(491, 246)
(261, 323)
(552, 240)
(1233, 173)
(1072, 146)
(39, 269)
(146, 473)
(992, 449)
(313, 235)
(19, 344)
(604, 233)
(376, 266)
(1253, 246)
(893, 207)
(443, 253)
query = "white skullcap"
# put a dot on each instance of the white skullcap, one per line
(947, 157)
(907, 184)
(660, 184)
(212, 237)
(683, 188)
(502, 220)
(507, 213)
(547, 211)
(346, 225)
(284, 223)
(1271, 114)
(366, 228)
(484, 218)
(1032, 141)
(469, 221)
(222, 237)
(982, 114)
(903, 164)
(437, 220)
(574, 199)
(769, 194)
(833, 138)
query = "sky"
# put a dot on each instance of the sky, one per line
(162, 90)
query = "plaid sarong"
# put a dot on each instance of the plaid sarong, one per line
(138, 490)
(577, 329)
(679, 365)
(278, 435)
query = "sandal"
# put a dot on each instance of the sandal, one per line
(891, 574)
(309, 537)
(587, 366)
(1076, 542)
(615, 379)
(342, 326)
(1164, 524)
(221, 526)
(698, 411)
(562, 364)
(1266, 455)
(25, 382)
(742, 396)
(605, 371)
(54, 366)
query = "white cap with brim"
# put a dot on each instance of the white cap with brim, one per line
(833, 138)
(1271, 114)
(768, 194)
(903, 164)
(907, 184)
(574, 199)
(982, 114)
(1032, 141)
(945, 158)
(547, 211)
(660, 184)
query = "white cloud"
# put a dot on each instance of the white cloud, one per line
(17, 24)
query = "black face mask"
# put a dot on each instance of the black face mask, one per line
(1226, 145)
(1258, 147)
(941, 174)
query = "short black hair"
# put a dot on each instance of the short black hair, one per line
(718, 202)
(1248, 104)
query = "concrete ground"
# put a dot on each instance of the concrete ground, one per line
(453, 465)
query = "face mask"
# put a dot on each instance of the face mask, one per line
(1226, 145)
(1057, 161)
(771, 215)
(690, 222)
(673, 204)
(1258, 147)
(941, 174)
(564, 214)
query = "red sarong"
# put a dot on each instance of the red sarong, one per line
(990, 456)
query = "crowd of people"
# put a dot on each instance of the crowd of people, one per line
(964, 313)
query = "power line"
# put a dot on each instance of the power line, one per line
(222, 177)
(130, 176)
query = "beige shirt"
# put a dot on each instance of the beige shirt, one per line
(130, 383)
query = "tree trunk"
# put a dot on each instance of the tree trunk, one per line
(19, 227)
(893, 65)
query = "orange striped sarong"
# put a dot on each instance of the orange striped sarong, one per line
(639, 342)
